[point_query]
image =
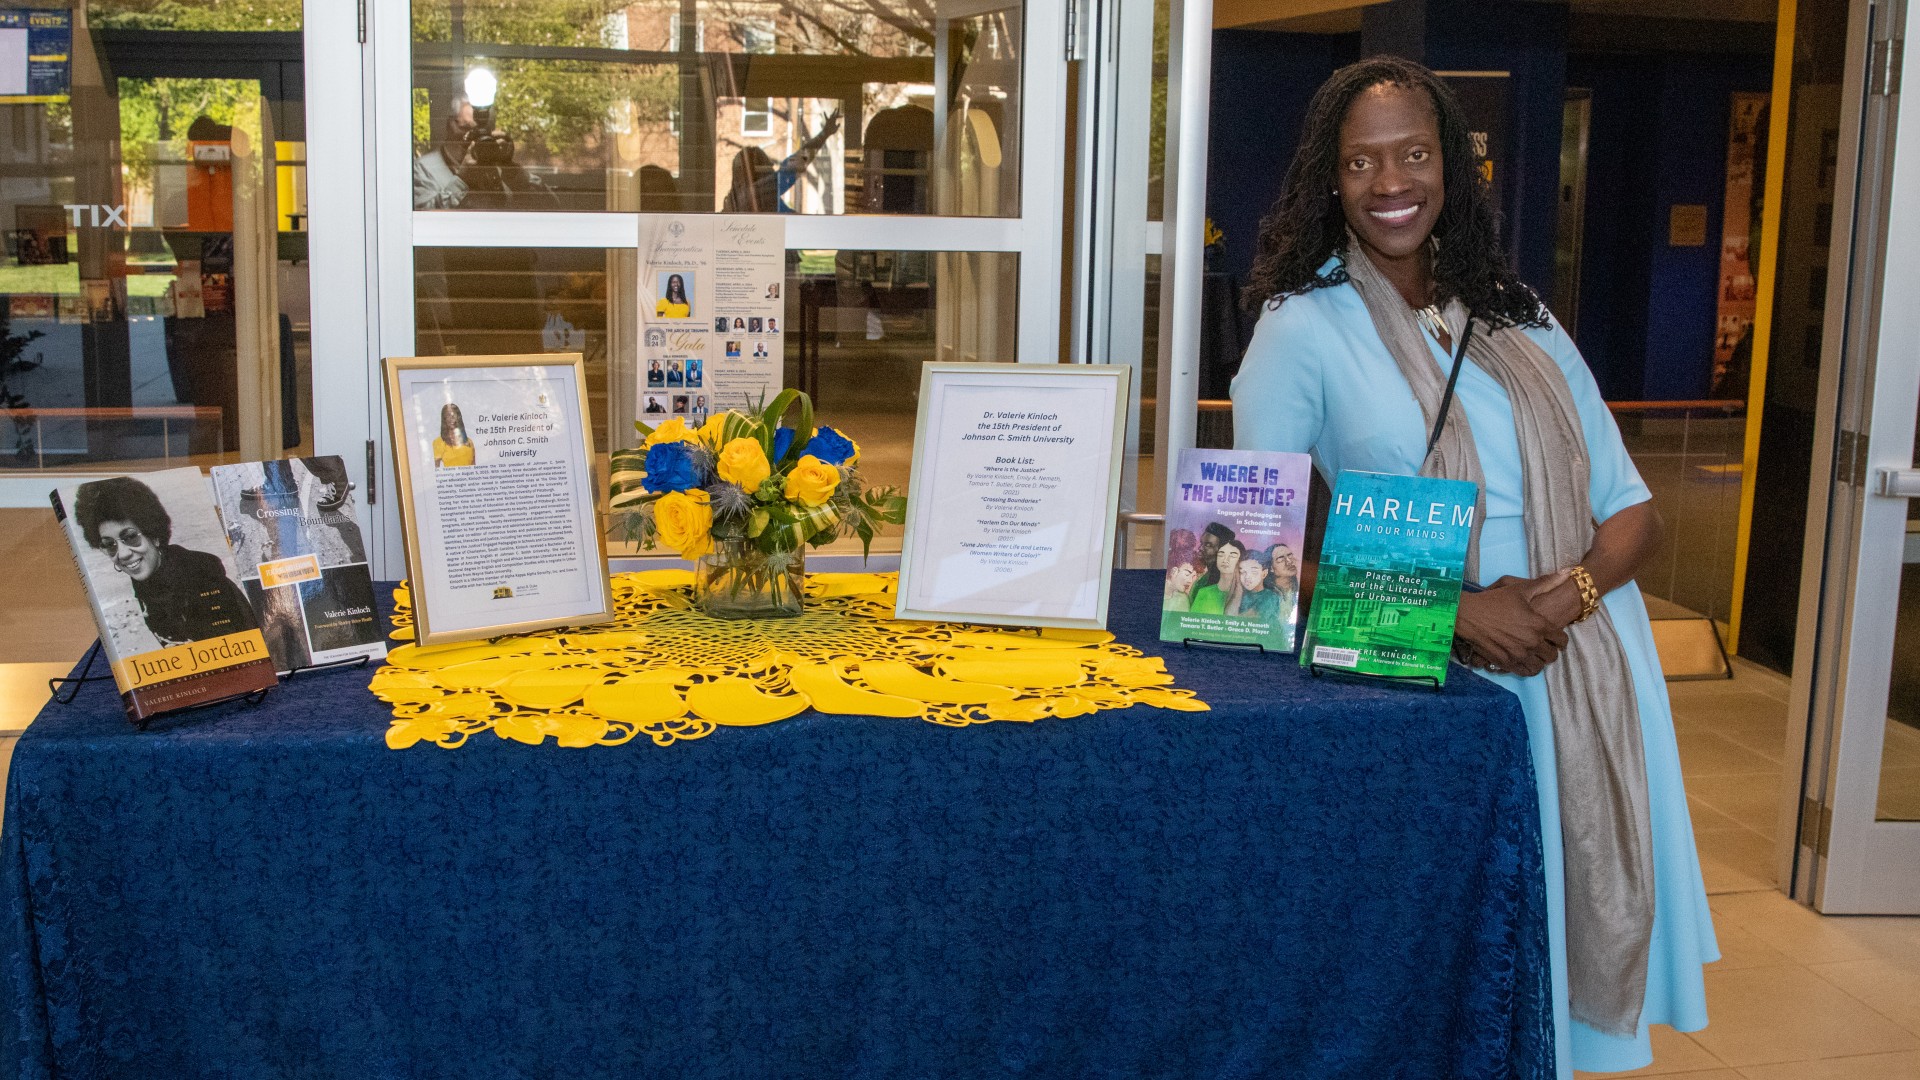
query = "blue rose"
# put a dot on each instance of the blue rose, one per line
(831, 447)
(782, 439)
(669, 468)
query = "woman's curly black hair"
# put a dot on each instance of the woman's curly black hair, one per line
(1307, 224)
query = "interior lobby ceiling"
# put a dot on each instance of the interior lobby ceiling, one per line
(1343, 16)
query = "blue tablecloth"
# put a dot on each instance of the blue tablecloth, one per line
(1315, 879)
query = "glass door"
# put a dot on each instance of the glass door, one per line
(1857, 844)
(154, 307)
(916, 149)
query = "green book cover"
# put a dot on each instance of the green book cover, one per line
(1388, 587)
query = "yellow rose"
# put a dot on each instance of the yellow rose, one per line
(674, 430)
(743, 462)
(685, 522)
(812, 481)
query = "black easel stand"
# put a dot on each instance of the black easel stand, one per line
(54, 685)
(352, 661)
(251, 698)
(1232, 646)
(1426, 681)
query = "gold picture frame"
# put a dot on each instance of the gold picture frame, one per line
(442, 611)
(932, 527)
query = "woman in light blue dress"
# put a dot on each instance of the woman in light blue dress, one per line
(1386, 186)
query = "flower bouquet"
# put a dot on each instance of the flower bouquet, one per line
(743, 496)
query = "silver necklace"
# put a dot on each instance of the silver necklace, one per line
(1435, 323)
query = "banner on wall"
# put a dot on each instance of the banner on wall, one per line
(1738, 289)
(711, 310)
(1484, 98)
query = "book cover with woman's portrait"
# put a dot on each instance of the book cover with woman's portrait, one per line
(175, 624)
(297, 547)
(1236, 528)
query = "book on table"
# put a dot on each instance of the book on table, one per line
(1236, 523)
(301, 558)
(174, 623)
(1388, 586)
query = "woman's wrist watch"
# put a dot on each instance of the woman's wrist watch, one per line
(1589, 592)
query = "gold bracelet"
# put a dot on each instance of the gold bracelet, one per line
(1589, 592)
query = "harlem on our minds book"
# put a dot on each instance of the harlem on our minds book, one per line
(301, 558)
(1389, 578)
(174, 623)
(1236, 521)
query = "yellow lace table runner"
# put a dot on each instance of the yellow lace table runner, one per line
(664, 670)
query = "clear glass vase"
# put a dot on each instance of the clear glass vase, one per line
(739, 581)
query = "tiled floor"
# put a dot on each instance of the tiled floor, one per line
(1796, 995)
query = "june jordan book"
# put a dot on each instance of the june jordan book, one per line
(174, 623)
(1389, 579)
(301, 560)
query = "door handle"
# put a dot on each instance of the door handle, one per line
(1898, 484)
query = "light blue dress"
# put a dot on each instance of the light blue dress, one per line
(1318, 378)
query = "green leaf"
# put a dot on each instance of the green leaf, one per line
(757, 523)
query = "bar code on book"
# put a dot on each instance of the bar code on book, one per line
(1332, 657)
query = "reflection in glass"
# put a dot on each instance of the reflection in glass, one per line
(859, 325)
(153, 292)
(1900, 755)
(810, 107)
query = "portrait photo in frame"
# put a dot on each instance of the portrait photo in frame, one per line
(498, 500)
(1016, 489)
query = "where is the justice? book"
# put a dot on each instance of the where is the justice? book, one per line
(1236, 522)
(174, 623)
(1390, 570)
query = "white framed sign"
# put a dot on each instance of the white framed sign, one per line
(497, 496)
(1016, 484)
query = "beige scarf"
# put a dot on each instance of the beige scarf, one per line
(1596, 719)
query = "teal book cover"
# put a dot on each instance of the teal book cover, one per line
(1390, 569)
(1236, 525)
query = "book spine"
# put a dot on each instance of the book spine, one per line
(107, 650)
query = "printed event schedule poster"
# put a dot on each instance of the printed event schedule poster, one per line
(1015, 480)
(1236, 527)
(502, 530)
(711, 309)
(36, 62)
(1391, 565)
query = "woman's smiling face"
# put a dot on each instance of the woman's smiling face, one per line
(1392, 184)
(132, 551)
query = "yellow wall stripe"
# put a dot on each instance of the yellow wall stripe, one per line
(1773, 200)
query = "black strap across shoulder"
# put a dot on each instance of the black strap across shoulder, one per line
(1446, 399)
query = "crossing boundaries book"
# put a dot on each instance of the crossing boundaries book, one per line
(174, 623)
(1390, 569)
(301, 559)
(1236, 522)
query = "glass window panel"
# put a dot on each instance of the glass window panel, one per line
(1900, 755)
(153, 283)
(853, 106)
(860, 324)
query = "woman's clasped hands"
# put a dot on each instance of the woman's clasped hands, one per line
(1517, 626)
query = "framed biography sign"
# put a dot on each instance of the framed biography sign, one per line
(497, 496)
(1016, 483)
